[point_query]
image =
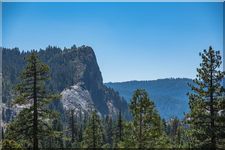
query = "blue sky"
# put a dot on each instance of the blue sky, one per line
(132, 41)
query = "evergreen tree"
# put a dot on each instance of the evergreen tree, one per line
(93, 134)
(33, 122)
(120, 126)
(128, 138)
(3, 134)
(73, 127)
(57, 139)
(83, 121)
(10, 145)
(108, 130)
(118, 131)
(207, 102)
(175, 131)
(146, 120)
(164, 125)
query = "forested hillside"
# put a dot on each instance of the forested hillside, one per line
(169, 95)
(68, 67)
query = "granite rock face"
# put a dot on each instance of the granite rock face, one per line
(74, 73)
(87, 78)
(77, 98)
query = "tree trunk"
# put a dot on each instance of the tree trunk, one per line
(140, 130)
(2, 134)
(35, 114)
(212, 125)
(93, 131)
(72, 125)
(120, 126)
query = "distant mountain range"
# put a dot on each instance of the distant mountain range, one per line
(169, 95)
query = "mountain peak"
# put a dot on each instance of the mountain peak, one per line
(68, 69)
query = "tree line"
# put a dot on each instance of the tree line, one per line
(37, 126)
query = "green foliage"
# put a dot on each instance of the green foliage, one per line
(128, 140)
(108, 130)
(118, 131)
(145, 129)
(10, 144)
(206, 101)
(55, 137)
(93, 133)
(107, 146)
(177, 133)
(34, 121)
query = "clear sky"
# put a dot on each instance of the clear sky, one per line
(132, 41)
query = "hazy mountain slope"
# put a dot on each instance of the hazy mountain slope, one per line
(169, 95)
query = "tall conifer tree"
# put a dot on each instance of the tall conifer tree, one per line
(118, 131)
(207, 101)
(93, 133)
(146, 120)
(33, 121)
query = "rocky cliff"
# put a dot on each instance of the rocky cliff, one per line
(74, 73)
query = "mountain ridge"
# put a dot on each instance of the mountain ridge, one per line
(169, 94)
(68, 67)
(147, 80)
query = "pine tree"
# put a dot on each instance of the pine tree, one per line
(83, 121)
(33, 122)
(128, 140)
(3, 134)
(108, 125)
(207, 101)
(58, 136)
(10, 145)
(93, 134)
(73, 128)
(120, 126)
(146, 120)
(118, 131)
(174, 131)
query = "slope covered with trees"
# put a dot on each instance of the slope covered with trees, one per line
(169, 95)
(68, 67)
